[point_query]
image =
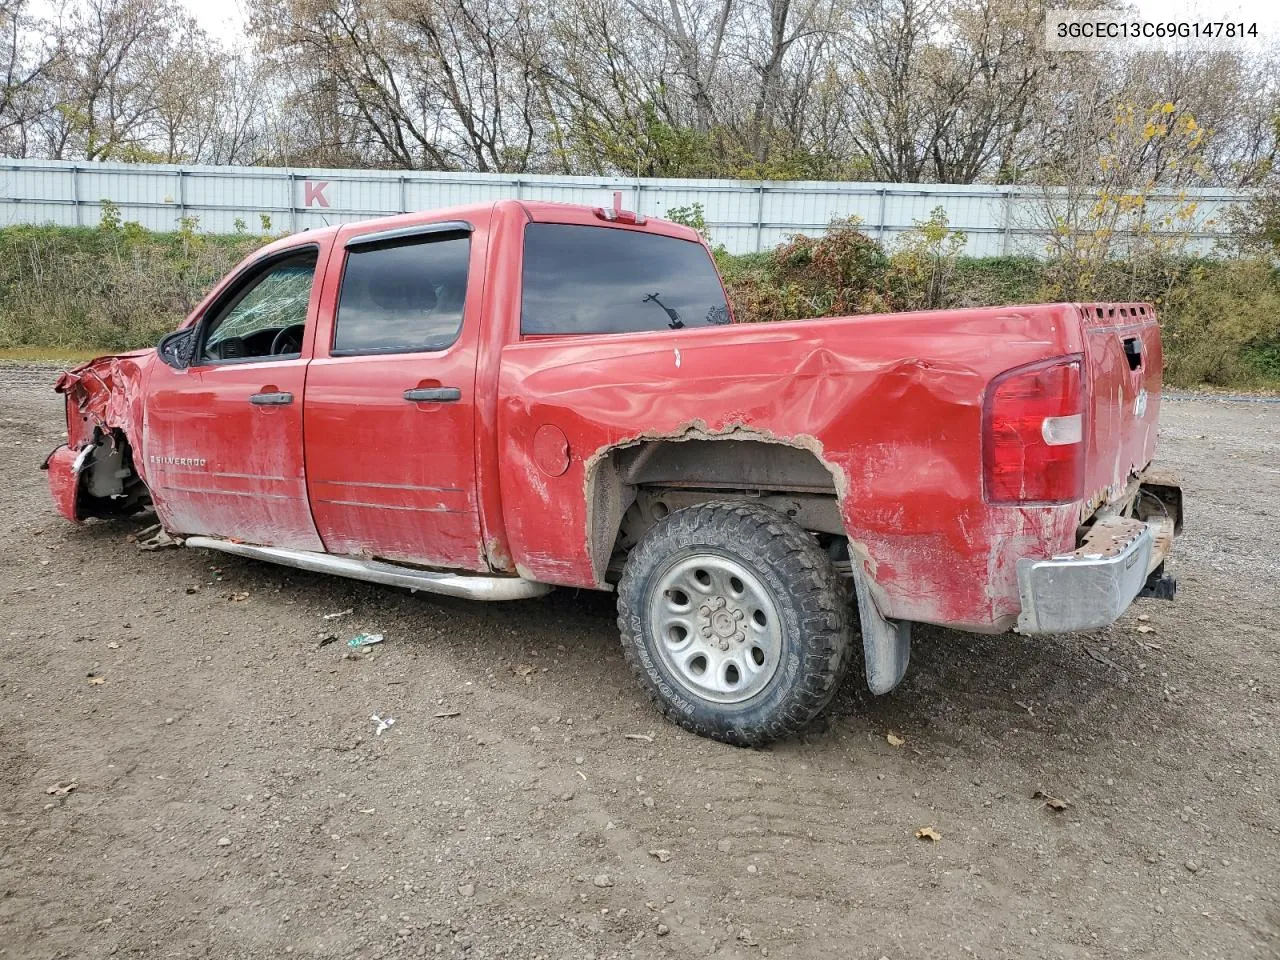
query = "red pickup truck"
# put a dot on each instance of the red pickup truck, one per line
(491, 400)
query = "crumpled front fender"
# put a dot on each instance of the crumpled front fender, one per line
(105, 394)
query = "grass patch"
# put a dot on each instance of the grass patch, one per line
(108, 288)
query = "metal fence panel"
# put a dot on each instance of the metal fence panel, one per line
(744, 216)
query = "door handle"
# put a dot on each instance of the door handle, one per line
(271, 399)
(433, 394)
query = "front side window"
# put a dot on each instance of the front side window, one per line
(266, 316)
(402, 296)
(580, 279)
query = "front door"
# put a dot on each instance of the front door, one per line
(390, 406)
(223, 437)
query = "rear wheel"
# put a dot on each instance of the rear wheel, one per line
(735, 621)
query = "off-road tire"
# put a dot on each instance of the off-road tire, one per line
(808, 596)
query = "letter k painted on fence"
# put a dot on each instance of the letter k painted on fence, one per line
(313, 193)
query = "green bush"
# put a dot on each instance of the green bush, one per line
(117, 287)
(1221, 318)
(1223, 326)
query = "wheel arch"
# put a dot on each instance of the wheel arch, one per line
(632, 484)
(107, 481)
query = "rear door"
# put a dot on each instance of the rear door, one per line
(223, 437)
(1123, 367)
(390, 404)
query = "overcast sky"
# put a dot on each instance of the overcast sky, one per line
(225, 18)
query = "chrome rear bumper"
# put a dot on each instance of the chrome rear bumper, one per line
(1095, 584)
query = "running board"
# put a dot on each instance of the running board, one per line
(377, 571)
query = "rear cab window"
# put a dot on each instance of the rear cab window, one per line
(585, 279)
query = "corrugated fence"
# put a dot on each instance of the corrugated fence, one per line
(743, 215)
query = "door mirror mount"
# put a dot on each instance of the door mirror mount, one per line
(175, 349)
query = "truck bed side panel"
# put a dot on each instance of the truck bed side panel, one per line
(891, 405)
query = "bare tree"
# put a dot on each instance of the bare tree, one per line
(904, 90)
(943, 89)
(28, 54)
(420, 83)
(118, 59)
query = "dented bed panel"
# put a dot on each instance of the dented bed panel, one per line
(899, 435)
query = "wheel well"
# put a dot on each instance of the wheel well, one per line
(109, 484)
(635, 486)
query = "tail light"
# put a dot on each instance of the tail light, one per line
(1033, 433)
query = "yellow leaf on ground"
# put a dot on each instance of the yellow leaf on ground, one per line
(928, 833)
(894, 739)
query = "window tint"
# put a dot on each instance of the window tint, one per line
(402, 296)
(266, 317)
(605, 280)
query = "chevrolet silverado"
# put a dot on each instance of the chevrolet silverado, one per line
(494, 400)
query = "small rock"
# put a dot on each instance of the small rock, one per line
(663, 929)
(224, 841)
(647, 801)
(467, 890)
(752, 868)
(1193, 866)
(663, 855)
(602, 880)
(724, 844)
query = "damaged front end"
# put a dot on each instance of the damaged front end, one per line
(94, 474)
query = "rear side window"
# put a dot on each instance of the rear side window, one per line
(402, 296)
(604, 280)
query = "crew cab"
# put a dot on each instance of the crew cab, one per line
(491, 401)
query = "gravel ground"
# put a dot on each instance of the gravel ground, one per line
(233, 801)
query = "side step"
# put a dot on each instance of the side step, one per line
(377, 571)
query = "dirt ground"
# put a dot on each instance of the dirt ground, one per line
(233, 801)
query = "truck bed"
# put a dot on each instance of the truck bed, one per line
(891, 406)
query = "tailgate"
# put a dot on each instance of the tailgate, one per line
(1123, 362)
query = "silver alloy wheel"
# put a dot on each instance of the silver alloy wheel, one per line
(716, 627)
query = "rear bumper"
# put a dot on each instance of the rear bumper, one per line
(1094, 585)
